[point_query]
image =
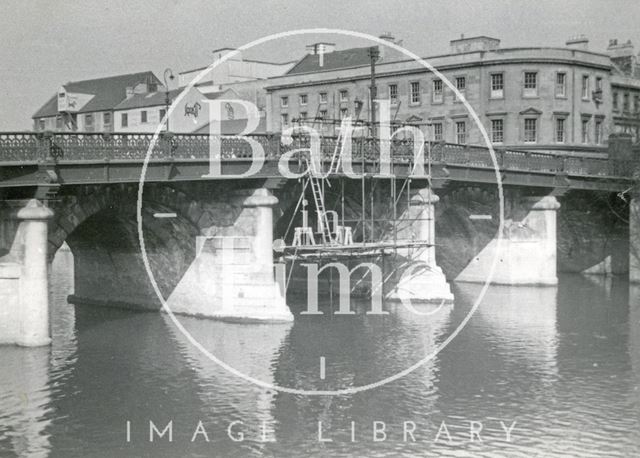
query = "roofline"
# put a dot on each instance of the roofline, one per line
(629, 84)
(474, 37)
(75, 112)
(224, 48)
(413, 71)
(139, 107)
(111, 76)
(465, 64)
(244, 60)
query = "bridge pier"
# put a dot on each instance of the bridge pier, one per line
(427, 283)
(634, 240)
(232, 275)
(528, 251)
(24, 284)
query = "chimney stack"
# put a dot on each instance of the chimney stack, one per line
(388, 54)
(388, 36)
(321, 48)
(578, 42)
(622, 55)
(471, 44)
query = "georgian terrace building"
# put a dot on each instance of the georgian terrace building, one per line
(554, 99)
(625, 88)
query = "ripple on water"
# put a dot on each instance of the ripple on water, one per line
(562, 363)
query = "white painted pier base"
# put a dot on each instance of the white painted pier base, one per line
(527, 255)
(232, 276)
(24, 284)
(427, 282)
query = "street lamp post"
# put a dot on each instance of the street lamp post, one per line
(374, 54)
(168, 73)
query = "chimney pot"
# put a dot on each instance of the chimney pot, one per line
(388, 36)
(321, 48)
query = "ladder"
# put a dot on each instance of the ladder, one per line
(318, 199)
(317, 187)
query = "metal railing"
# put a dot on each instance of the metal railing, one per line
(33, 147)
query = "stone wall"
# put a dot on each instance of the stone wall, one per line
(593, 234)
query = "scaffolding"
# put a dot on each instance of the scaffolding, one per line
(326, 233)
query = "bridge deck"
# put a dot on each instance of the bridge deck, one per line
(84, 158)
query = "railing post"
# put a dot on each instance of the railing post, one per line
(500, 158)
(45, 142)
(278, 140)
(166, 144)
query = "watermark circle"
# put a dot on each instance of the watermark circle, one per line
(438, 348)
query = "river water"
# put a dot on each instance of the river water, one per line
(556, 368)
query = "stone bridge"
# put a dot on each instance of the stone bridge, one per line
(568, 213)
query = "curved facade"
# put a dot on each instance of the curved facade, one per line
(535, 98)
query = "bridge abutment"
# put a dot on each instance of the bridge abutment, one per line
(528, 251)
(24, 284)
(422, 279)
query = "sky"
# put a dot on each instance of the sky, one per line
(48, 43)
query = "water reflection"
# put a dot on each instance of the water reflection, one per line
(30, 376)
(522, 320)
(25, 400)
(251, 349)
(634, 349)
(564, 363)
(63, 321)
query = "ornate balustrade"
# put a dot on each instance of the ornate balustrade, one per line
(21, 146)
(30, 147)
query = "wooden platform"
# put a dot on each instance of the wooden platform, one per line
(348, 251)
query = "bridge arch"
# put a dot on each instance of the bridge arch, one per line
(73, 209)
(99, 224)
